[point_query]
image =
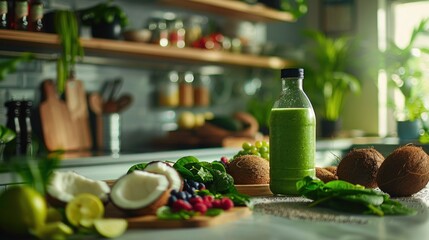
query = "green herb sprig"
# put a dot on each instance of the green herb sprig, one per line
(343, 196)
(68, 32)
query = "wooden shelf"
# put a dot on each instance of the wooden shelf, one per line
(233, 8)
(42, 42)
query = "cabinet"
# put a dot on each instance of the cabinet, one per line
(47, 44)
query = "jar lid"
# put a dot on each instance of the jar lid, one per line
(292, 72)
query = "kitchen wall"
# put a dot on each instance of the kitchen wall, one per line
(145, 120)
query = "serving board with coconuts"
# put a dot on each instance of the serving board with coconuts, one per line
(143, 192)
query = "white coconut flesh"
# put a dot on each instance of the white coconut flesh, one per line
(138, 189)
(64, 186)
(168, 171)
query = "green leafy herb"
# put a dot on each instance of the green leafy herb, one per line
(35, 171)
(213, 174)
(344, 196)
(10, 66)
(212, 212)
(6, 134)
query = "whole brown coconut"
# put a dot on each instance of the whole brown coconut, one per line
(360, 166)
(249, 169)
(404, 172)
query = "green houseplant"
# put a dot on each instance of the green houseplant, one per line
(328, 80)
(404, 71)
(105, 19)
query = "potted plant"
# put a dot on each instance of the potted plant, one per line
(106, 20)
(328, 80)
(404, 71)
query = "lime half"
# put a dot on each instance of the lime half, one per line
(84, 208)
(110, 227)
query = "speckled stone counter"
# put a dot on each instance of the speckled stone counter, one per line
(289, 218)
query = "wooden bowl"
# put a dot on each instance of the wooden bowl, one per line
(140, 35)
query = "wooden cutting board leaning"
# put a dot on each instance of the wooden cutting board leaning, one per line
(78, 108)
(59, 132)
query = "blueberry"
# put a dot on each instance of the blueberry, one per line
(173, 192)
(171, 200)
(181, 195)
(201, 186)
(191, 182)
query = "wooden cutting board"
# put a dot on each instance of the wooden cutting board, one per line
(254, 190)
(151, 221)
(58, 129)
(78, 107)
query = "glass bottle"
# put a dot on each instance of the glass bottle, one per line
(21, 14)
(11, 14)
(292, 135)
(26, 127)
(169, 91)
(201, 90)
(186, 92)
(3, 14)
(36, 16)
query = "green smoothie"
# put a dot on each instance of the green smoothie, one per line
(292, 148)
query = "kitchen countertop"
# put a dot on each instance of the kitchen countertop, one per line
(273, 217)
(108, 166)
(289, 218)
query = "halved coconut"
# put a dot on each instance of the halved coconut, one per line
(64, 186)
(165, 169)
(140, 193)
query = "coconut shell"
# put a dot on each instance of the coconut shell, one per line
(404, 172)
(332, 169)
(148, 209)
(249, 169)
(325, 175)
(360, 166)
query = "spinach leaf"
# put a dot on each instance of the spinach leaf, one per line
(138, 166)
(185, 160)
(165, 213)
(200, 172)
(218, 166)
(222, 181)
(212, 212)
(344, 196)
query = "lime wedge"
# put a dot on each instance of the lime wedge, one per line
(53, 230)
(110, 227)
(84, 208)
